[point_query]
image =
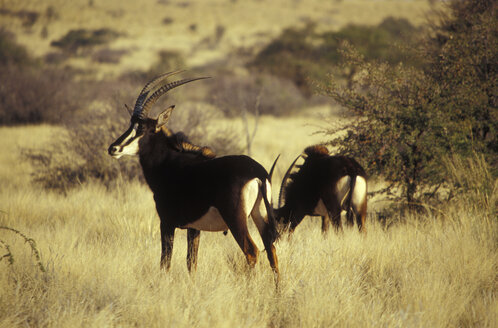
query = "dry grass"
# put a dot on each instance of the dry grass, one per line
(101, 250)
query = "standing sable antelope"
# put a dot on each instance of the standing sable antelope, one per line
(192, 188)
(324, 185)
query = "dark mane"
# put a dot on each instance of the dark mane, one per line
(180, 142)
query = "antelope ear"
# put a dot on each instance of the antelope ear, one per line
(163, 118)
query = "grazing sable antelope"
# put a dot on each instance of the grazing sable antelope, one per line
(324, 185)
(192, 188)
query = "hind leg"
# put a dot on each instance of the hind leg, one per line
(361, 216)
(245, 242)
(236, 220)
(350, 216)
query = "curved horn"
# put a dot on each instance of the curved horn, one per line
(284, 180)
(273, 167)
(162, 90)
(148, 87)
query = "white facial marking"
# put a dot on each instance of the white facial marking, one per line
(131, 148)
(210, 221)
(129, 145)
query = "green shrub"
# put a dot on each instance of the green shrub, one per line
(463, 57)
(301, 55)
(410, 118)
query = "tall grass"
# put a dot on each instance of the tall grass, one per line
(101, 252)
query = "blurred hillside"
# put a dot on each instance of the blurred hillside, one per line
(201, 32)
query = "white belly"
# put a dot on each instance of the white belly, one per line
(211, 221)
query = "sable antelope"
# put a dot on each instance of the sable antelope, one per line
(324, 185)
(192, 188)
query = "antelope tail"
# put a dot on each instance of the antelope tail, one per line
(349, 208)
(272, 222)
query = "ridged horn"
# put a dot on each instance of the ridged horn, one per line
(161, 91)
(273, 168)
(284, 180)
(148, 87)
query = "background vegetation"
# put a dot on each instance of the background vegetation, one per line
(410, 118)
(407, 87)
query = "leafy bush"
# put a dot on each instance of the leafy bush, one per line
(410, 118)
(398, 126)
(463, 57)
(75, 40)
(302, 54)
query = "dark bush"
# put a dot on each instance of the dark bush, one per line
(11, 53)
(301, 55)
(28, 17)
(463, 57)
(82, 38)
(108, 55)
(38, 96)
(167, 20)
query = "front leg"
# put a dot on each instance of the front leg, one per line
(193, 237)
(167, 238)
(325, 224)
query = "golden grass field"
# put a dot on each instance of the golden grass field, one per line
(101, 252)
(101, 247)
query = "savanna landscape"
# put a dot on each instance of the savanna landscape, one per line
(408, 88)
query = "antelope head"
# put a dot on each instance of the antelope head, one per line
(140, 124)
